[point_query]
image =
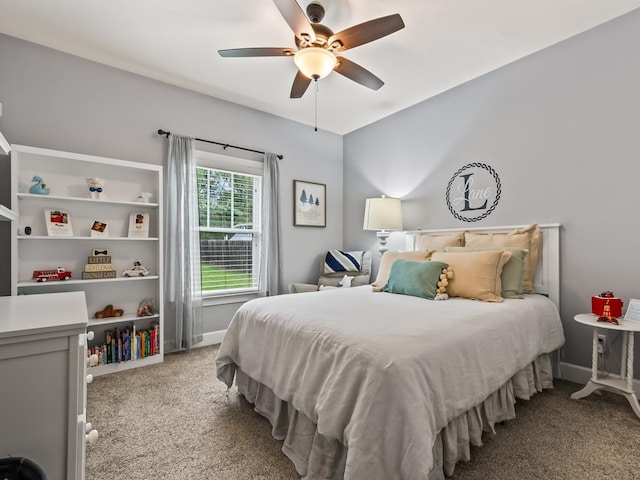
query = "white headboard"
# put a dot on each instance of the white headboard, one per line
(547, 279)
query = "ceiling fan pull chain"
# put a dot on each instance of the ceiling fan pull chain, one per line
(316, 119)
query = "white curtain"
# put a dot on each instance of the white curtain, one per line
(269, 280)
(183, 298)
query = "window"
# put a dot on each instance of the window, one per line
(229, 193)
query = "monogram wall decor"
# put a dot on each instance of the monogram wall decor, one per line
(473, 192)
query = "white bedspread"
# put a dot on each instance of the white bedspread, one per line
(383, 373)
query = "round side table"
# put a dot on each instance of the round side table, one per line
(623, 384)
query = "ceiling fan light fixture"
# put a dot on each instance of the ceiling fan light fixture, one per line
(315, 62)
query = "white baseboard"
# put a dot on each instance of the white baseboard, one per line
(211, 338)
(581, 375)
(208, 338)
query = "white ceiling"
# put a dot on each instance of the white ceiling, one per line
(444, 43)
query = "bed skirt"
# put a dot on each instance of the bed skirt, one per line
(317, 457)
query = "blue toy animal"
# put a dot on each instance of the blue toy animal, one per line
(39, 188)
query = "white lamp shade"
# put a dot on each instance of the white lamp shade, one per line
(382, 214)
(315, 62)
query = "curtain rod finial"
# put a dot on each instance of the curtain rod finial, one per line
(162, 132)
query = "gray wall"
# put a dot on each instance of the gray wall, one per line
(561, 128)
(58, 101)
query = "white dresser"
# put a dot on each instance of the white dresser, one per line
(43, 381)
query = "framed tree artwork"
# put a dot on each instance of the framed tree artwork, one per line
(309, 204)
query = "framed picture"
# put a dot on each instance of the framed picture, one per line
(58, 223)
(99, 229)
(633, 310)
(309, 204)
(139, 225)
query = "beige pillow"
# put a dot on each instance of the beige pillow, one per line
(512, 272)
(389, 257)
(527, 238)
(426, 241)
(476, 274)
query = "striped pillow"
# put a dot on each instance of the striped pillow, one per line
(339, 261)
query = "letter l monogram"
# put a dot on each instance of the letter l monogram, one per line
(467, 183)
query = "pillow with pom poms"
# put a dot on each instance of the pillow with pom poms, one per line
(441, 291)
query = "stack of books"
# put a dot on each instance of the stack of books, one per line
(98, 266)
(121, 345)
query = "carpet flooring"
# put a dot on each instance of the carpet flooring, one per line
(175, 421)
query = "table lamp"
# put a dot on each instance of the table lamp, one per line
(382, 214)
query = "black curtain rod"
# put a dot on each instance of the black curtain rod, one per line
(224, 145)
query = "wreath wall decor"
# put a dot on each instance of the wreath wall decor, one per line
(473, 192)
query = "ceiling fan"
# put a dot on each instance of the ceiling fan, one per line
(317, 45)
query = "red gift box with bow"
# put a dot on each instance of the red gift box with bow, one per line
(600, 303)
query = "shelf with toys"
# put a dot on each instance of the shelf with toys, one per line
(93, 224)
(94, 201)
(128, 318)
(109, 239)
(35, 283)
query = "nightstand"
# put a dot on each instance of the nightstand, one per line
(623, 384)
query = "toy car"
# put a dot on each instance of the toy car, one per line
(109, 311)
(136, 271)
(55, 274)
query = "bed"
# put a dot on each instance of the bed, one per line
(362, 384)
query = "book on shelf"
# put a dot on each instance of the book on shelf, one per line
(117, 343)
(107, 346)
(127, 344)
(134, 346)
(130, 343)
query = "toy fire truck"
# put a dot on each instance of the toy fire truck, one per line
(56, 274)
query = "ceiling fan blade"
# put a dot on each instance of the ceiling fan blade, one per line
(365, 32)
(296, 19)
(257, 52)
(358, 74)
(300, 85)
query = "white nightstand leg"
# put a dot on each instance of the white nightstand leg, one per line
(594, 356)
(587, 390)
(633, 401)
(591, 387)
(629, 355)
(623, 363)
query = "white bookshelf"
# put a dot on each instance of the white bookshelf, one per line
(65, 175)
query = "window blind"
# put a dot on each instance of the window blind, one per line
(229, 206)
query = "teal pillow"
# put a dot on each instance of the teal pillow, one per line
(512, 276)
(418, 279)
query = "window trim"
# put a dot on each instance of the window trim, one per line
(211, 300)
